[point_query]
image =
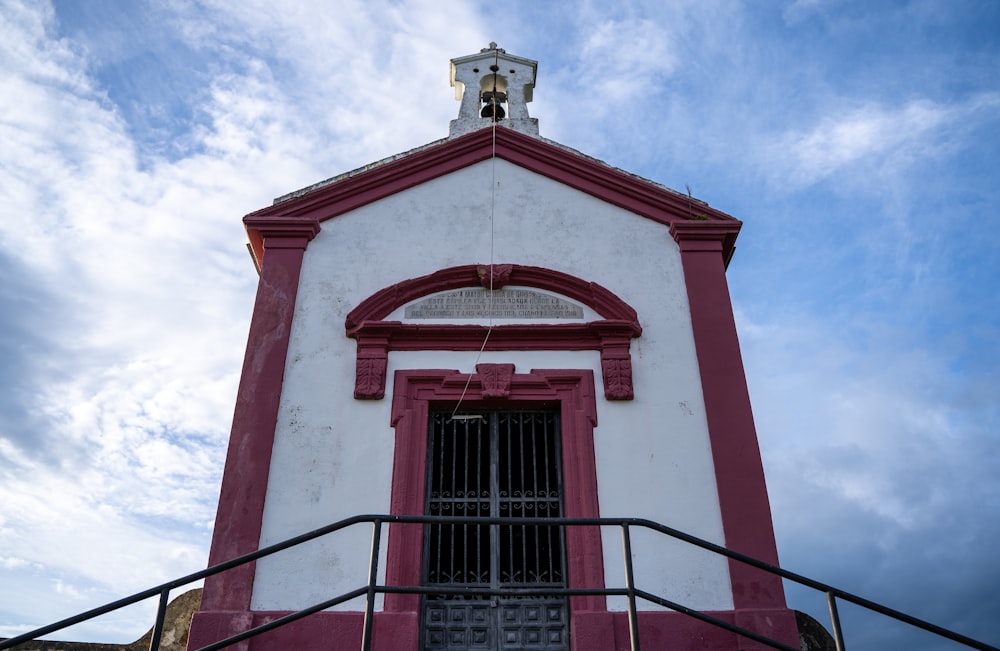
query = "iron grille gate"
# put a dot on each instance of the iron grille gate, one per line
(494, 464)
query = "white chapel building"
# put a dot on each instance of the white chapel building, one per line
(492, 326)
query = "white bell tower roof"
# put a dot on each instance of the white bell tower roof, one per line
(494, 88)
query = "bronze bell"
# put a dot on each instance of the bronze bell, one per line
(492, 108)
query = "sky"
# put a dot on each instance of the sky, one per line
(859, 142)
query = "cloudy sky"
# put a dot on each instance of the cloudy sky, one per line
(859, 142)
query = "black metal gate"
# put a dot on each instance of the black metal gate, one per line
(494, 464)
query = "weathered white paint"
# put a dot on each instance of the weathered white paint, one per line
(514, 76)
(333, 455)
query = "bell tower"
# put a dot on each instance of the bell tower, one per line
(493, 87)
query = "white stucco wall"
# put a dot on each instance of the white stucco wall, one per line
(333, 455)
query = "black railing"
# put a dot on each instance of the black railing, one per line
(371, 589)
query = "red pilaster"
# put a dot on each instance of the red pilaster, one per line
(746, 514)
(244, 481)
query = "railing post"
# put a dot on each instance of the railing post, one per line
(366, 635)
(838, 635)
(633, 616)
(161, 614)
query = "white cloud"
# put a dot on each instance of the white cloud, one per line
(14, 562)
(141, 377)
(881, 481)
(800, 9)
(373, 74)
(611, 72)
(622, 59)
(873, 141)
(146, 256)
(863, 439)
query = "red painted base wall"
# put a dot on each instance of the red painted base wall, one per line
(589, 631)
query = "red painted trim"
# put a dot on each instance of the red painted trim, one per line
(318, 632)
(496, 379)
(244, 480)
(602, 300)
(572, 390)
(283, 233)
(666, 631)
(611, 336)
(589, 631)
(561, 164)
(565, 336)
(746, 514)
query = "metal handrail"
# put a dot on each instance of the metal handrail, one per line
(371, 589)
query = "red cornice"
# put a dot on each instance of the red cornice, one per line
(567, 336)
(560, 164)
(268, 231)
(703, 235)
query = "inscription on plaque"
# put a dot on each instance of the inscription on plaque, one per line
(507, 303)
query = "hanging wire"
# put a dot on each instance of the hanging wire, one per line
(494, 184)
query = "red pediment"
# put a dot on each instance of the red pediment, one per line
(637, 195)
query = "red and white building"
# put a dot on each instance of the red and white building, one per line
(492, 325)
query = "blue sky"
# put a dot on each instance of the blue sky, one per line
(859, 142)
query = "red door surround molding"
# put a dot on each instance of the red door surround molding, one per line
(611, 335)
(415, 392)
